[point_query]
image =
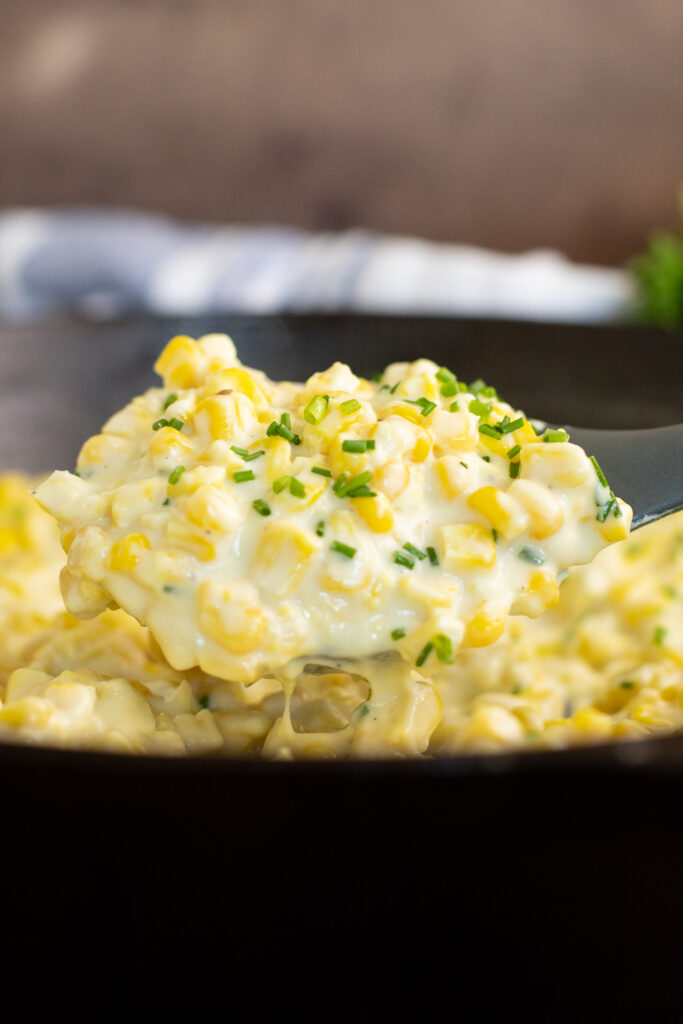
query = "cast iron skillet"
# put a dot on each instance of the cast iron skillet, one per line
(546, 883)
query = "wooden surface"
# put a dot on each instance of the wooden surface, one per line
(511, 123)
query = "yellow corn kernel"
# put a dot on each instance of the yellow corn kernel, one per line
(491, 724)
(127, 552)
(617, 527)
(592, 721)
(545, 512)
(419, 385)
(213, 509)
(466, 546)
(82, 597)
(282, 557)
(225, 415)
(340, 461)
(541, 592)
(169, 443)
(483, 629)
(26, 682)
(30, 713)
(564, 463)
(199, 477)
(178, 532)
(231, 615)
(238, 379)
(376, 512)
(525, 435)
(454, 432)
(451, 474)
(423, 446)
(133, 500)
(278, 457)
(180, 363)
(106, 450)
(407, 412)
(392, 478)
(504, 513)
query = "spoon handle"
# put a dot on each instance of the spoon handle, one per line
(644, 467)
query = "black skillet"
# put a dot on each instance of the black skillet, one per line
(546, 885)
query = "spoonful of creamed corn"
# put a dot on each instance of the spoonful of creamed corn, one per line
(255, 525)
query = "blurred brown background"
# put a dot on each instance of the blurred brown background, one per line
(510, 124)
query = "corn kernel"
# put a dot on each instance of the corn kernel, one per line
(542, 591)
(127, 552)
(483, 629)
(466, 546)
(180, 364)
(169, 443)
(231, 615)
(282, 557)
(392, 478)
(504, 513)
(452, 475)
(238, 379)
(545, 512)
(197, 544)
(376, 512)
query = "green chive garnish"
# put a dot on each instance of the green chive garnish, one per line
(167, 501)
(659, 635)
(281, 483)
(320, 528)
(169, 401)
(392, 390)
(514, 451)
(320, 471)
(261, 507)
(489, 431)
(532, 555)
(627, 684)
(425, 405)
(482, 409)
(443, 648)
(159, 424)
(342, 549)
(356, 447)
(361, 492)
(433, 557)
(486, 458)
(512, 425)
(454, 407)
(344, 487)
(297, 488)
(405, 560)
(514, 470)
(444, 375)
(449, 389)
(398, 634)
(243, 476)
(176, 423)
(414, 551)
(601, 476)
(176, 474)
(316, 409)
(424, 654)
(351, 406)
(247, 456)
(494, 534)
(203, 701)
(558, 435)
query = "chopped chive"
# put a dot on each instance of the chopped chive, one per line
(489, 431)
(361, 492)
(433, 557)
(464, 464)
(320, 528)
(285, 420)
(556, 435)
(512, 425)
(320, 471)
(159, 424)
(425, 405)
(449, 389)
(627, 684)
(601, 476)
(414, 551)
(479, 387)
(176, 423)
(604, 510)
(482, 409)
(454, 407)
(428, 407)
(261, 507)
(243, 476)
(385, 387)
(424, 654)
(405, 560)
(532, 555)
(296, 488)
(316, 409)
(516, 689)
(376, 377)
(343, 486)
(167, 501)
(203, 702)
(494, 534)
(659, 635)
(247, 456)
(167, 588)
(242, 452)
(398, 634)
(272, 429)
(339, 483)
(351, 406)
(283, 429)
(445, 375)
(514, 470)
(176, 474)
(486, 458)
(393, 390)
(169, 401)
(342, 549)
(354, 447)
(514, 451)
(281, 483)
(443, 648)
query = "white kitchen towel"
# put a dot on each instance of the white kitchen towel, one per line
(104, 263)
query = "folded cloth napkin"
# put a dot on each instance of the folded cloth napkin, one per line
(108, 263)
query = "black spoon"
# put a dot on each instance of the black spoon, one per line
(644, 467)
